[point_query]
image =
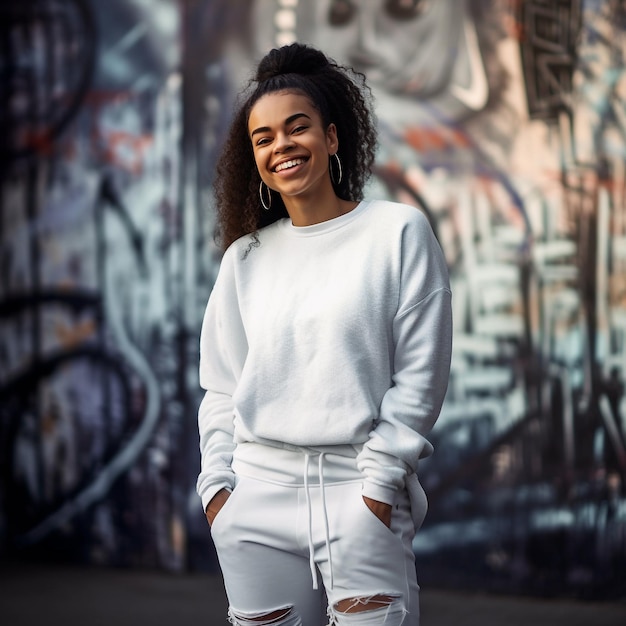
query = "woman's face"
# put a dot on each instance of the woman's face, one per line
(402, 46)
(291, 145)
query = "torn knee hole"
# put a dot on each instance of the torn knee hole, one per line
(260, 619)
(366, 603)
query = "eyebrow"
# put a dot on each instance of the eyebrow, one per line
(267, 129)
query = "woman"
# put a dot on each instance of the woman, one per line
(325, 352)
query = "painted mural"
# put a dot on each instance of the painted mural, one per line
(93, 401)
(504, 121)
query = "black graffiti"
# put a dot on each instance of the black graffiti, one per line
(550, 31)
(49, 51)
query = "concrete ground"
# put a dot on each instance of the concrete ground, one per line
(69, 596)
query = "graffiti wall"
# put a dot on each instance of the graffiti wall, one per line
(95, 395)
(503, 121)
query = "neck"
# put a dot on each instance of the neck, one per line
(319, 208)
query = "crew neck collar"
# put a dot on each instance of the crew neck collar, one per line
(326, 226)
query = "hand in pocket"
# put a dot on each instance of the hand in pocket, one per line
(381, 510)
(216, 504)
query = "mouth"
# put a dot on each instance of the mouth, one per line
(287, 165)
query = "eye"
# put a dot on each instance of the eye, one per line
(341, 12)
(262, 141)
(298, 129)
(405, 9)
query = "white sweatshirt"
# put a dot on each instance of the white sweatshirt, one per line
(335, 336)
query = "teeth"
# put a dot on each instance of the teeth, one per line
(288, 164)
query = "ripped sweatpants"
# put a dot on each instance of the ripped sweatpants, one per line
(291, 554)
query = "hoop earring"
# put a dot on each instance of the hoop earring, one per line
(340, 172)
(267, 206)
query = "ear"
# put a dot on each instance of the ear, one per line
(331, 139)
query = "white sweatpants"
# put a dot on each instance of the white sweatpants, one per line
(272, 540)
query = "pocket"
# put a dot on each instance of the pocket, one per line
(225, 507)
(373, 516)
(354, 525)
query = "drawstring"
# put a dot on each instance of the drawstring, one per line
(310, 512)
(326, 531)
(310, 518)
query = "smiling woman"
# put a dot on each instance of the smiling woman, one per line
(337, 102)
(292, 150)
(310, 437)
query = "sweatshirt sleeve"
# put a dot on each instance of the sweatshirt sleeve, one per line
(422, 336)
(223, 348)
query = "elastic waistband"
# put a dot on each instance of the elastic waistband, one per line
(284, 466)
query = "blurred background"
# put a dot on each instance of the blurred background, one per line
(504, 121)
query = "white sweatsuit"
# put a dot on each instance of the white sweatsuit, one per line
(330, 341)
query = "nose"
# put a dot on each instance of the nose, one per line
(364, 55)
(283, 143)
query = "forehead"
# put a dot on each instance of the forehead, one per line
(274, 108)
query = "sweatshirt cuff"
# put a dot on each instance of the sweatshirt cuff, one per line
(379, 492)
(207, 495)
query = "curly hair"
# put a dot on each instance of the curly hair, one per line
(338, 93)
